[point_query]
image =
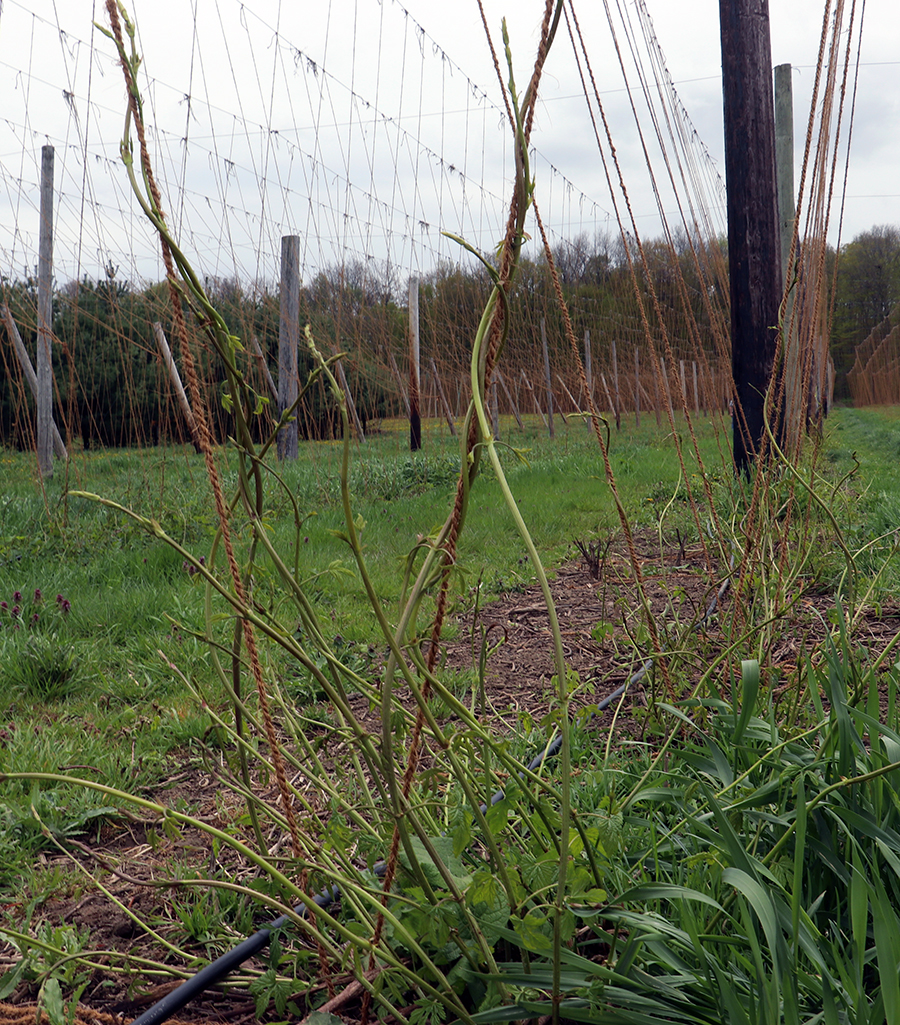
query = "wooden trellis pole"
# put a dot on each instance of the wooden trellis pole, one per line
(30, 376)
(44, 357)
(448, 415)
(415, 416)
(288, 337)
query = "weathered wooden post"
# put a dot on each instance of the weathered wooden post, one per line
(615, 370)
(288, 337)
(44, 357)
(784, 168)
(754, 249)
(637, 386)
(415, 416)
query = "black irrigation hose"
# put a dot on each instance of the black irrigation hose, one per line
(216, 970)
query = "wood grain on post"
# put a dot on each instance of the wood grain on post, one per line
(288, 338)
(264, 368)
(44, 356)
(754, 244)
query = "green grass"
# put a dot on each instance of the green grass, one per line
(126, 589)
(100, 671)
(89, 682)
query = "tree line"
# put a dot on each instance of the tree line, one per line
(112, 388)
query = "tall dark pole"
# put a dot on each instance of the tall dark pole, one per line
(415, 378)
(754, 246)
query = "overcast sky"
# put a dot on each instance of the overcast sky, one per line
(367, 127)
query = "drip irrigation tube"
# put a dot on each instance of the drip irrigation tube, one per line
(216, 970)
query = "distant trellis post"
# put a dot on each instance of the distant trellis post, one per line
(415, 379)
(288, 337)
(44, 358)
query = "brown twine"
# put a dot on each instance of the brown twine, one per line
(636, 287)
(212, 472)
(610, 476)
(509, 253)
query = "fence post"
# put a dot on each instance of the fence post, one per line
(44, 358)
(288, 336)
